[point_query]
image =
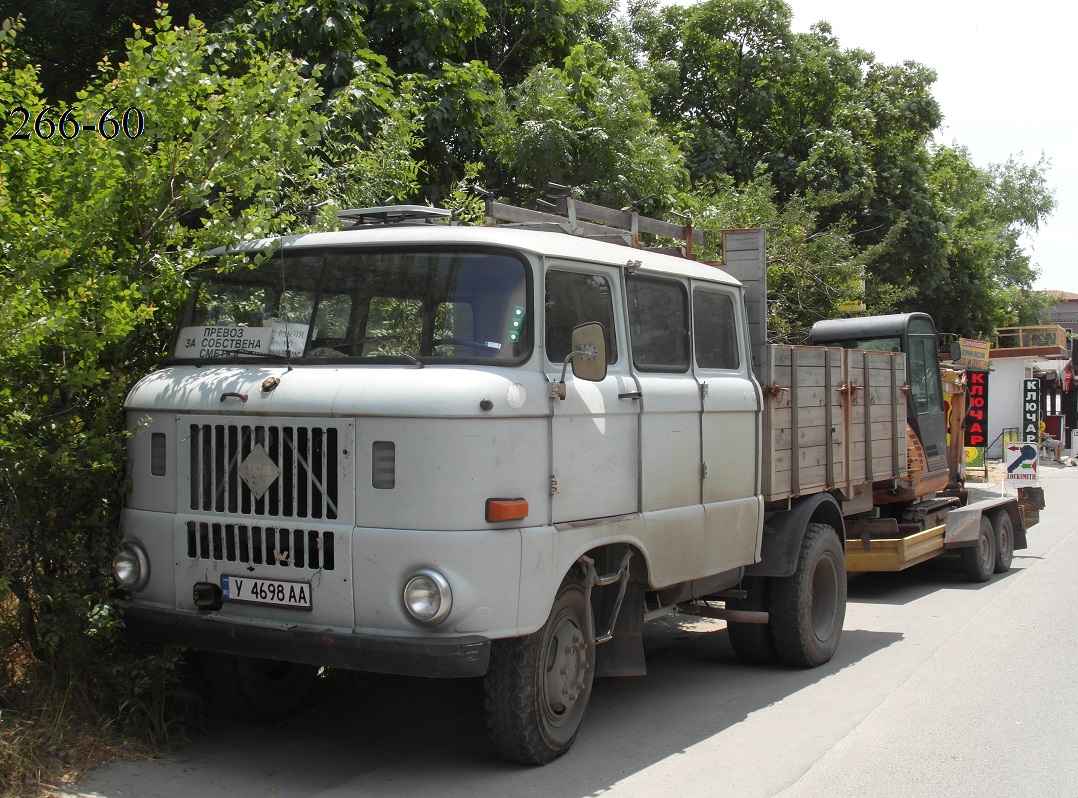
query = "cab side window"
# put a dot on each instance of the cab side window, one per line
(574, 298)
(715, 330)
(658, 324)
(924, 374)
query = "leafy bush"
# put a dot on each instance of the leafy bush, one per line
(100, 229)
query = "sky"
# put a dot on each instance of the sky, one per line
(1007, 85)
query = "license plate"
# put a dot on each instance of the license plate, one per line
(267, 591)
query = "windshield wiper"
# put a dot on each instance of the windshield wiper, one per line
(410, 358)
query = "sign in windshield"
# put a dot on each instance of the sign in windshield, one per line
(279, 338)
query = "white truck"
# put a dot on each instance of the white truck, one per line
(417, 447)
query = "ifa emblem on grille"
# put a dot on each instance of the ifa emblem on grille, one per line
(258, 471)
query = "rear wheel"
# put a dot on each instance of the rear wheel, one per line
(809, 607)
(1004, 529)
(262, 690)
(752, 642)
(979, 560)
(537, 687)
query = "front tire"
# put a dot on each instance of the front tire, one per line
(979, 560)
(537, 687)
(262, 690)
(809, 607)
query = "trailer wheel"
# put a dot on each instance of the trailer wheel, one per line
(262, 690)
(979, 560)
(752, 642)
(1004, 529)
(808, 607)
(537, 687)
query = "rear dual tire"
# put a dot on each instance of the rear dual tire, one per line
(807, 609)
(1003, 527)
(979, 561)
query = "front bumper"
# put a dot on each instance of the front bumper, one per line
(436, 657)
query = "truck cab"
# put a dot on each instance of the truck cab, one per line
(422, 448)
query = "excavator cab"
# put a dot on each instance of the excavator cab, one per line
(914, 334)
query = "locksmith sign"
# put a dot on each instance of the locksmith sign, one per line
(1031, 411)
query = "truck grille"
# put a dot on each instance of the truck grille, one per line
(260, 545)
(268, 470)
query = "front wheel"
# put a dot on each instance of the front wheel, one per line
(537, 687)
(263, 690)
(809, 607)
(979, 560)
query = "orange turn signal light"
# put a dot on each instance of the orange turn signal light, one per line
(506, 510)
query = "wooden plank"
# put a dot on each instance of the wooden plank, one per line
(624, 220)
(782, 437)
(511, 213)
(812, 479)
(807, 377)
(813, 356)
(805, 457)
(745, 259)
(894, 554)
(881, 468)
(782, 417)
(739, 241)
(807, 396)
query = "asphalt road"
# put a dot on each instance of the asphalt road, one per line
(939, 688)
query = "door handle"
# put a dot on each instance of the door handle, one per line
(634, 395)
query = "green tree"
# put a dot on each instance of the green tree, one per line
(836, 131)
(67, 39)
(716, 70)
(986, 278)
(587, 124)
(520, 35)
(100, 229)
(813, 271)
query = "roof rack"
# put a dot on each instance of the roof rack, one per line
(567, 215)
(596, 221)
(396, 214)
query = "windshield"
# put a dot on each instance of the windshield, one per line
(362, 305)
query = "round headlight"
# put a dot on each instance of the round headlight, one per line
(427, 597)
(131, 567)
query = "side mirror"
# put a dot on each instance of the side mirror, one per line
(588, 356)
(956, 351)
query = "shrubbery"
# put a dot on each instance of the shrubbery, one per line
(98, 233)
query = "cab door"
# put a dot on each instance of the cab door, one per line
(670, 464)
(730, 428)
(594, 435)
(927, 414)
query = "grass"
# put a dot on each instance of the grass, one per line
(44, 740)
(55, 726)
